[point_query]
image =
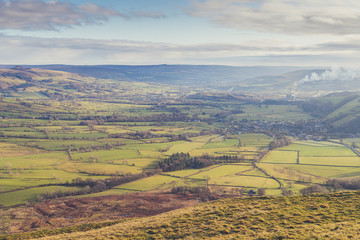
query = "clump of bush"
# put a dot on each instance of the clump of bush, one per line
(190, 190)
(313, 189)
(345, 183)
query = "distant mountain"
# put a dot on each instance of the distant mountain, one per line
(280, 84)
(305, 82)
(34, 83)
(299, 81)
(204, 76)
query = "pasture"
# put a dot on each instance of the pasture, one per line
(24, 196)
(46, 141)
(317, 162)
(27, 164)
(30, 164)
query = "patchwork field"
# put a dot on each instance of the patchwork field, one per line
(311, 162)
(50, 137)
(71, 151)
(55, 152)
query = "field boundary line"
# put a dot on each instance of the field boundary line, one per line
(308, 164)
(281, 185)
(348, 146)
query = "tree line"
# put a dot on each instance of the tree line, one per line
(180, 161)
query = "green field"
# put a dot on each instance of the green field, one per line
(278, 156)
(65, 128)
(151, 183)
(26, 163)
(23, 196)
(318, 161)
(219, 171)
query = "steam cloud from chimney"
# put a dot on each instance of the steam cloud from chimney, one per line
(334, 74)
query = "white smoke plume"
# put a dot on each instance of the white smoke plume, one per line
(334, 74)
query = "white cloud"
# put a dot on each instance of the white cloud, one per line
(34, 50)
(52, 15)
(300, 17)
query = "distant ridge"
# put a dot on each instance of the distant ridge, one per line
(296, 81)
(209, 76)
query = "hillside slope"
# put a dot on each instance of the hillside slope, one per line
(22, 82)
(304, 82)
(23, 77)
(228, 78)
(35, 83)
(333, 216)
(339, 110)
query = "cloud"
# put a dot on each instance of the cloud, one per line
(145, 14)
(345, 44)
(253, 47)
(299, 17)
(53, 15)
(34, 50)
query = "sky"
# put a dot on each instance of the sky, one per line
(316, 33)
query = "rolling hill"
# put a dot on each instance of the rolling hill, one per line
(339, 110)
(199, 76)
(326, 216)
(303, 82)
(35, 83)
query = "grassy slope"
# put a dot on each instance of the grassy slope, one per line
(342, 110)
(333, 216)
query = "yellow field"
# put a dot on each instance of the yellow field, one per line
(14, 150)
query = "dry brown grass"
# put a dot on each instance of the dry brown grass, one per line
(334, 216)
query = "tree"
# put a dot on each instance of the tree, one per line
(261, 191)
(207, 179)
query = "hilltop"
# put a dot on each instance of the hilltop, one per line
(325, 216)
